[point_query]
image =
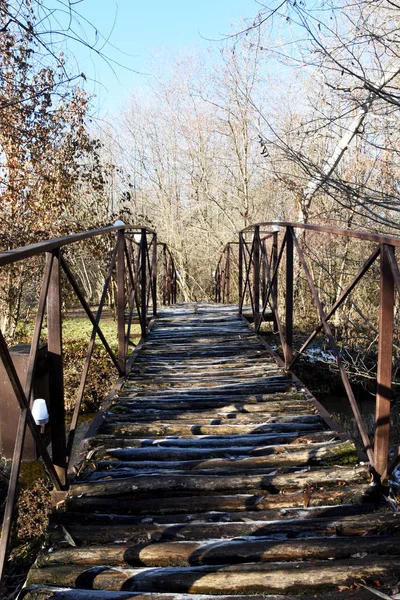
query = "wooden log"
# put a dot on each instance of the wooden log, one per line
(194, 553)
(53, 593)
(262, 578)
(164, 429)
(221, 367)
(236, 401)
(137, 532)
(337, 452)
(216, 441)
(208, 388)
(216, 418)
(357, 494)
(211, 406)
(280, 515)
(244, 373)
(217, 393)
(209, 483)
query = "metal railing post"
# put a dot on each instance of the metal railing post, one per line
(154, 274)
(288, 350)
(264, 259)
(56, 376)
(121, 300)
(240, 282)
(256, 276)
(385, 353)
(143, 282)
(223, 275)
(228, 274)
(165, 275)
(275, 284)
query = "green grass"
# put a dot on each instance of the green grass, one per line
(77, 328)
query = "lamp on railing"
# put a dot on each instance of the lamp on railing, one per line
(119, 223)
(40, 413)
(276, 228)
(137, 237)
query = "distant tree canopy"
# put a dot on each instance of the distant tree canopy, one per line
(44, 141)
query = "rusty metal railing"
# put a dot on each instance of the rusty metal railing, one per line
(136, 261)
(257, 281)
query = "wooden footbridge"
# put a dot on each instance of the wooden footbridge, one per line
(211, 471)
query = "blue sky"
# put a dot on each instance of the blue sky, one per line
(139, 29)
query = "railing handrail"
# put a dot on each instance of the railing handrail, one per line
(258, 272)
(8, 257)
(378, 238)
(134, 265)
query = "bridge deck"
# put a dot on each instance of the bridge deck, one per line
(213, 474)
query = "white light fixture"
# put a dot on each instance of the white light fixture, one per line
(39, 412)
(276, 228)
(119, 223)
(137, 237)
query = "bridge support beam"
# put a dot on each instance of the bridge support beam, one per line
(240, 282)
(256, 276)
(121, 300)
(289, 298)
(385, 350)
(56, 380)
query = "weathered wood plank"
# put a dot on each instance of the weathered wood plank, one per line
(210, 552)
(276, 455)
(166, 429)
(259, 578)
(130, 530)
(54, 593)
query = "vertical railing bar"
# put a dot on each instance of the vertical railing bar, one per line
(223, 267)
(38, 327)
(165, 275)
(335, 351)
(143, 290)
(174, 278)
(264, 259)
(121, 300)
(155, 274)
(22, 421)
(55, 351)
(148, 275)
(228, 273)
(274, 263)
(256, 276)
(388, 272)
(288, 350)
(240, 274)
